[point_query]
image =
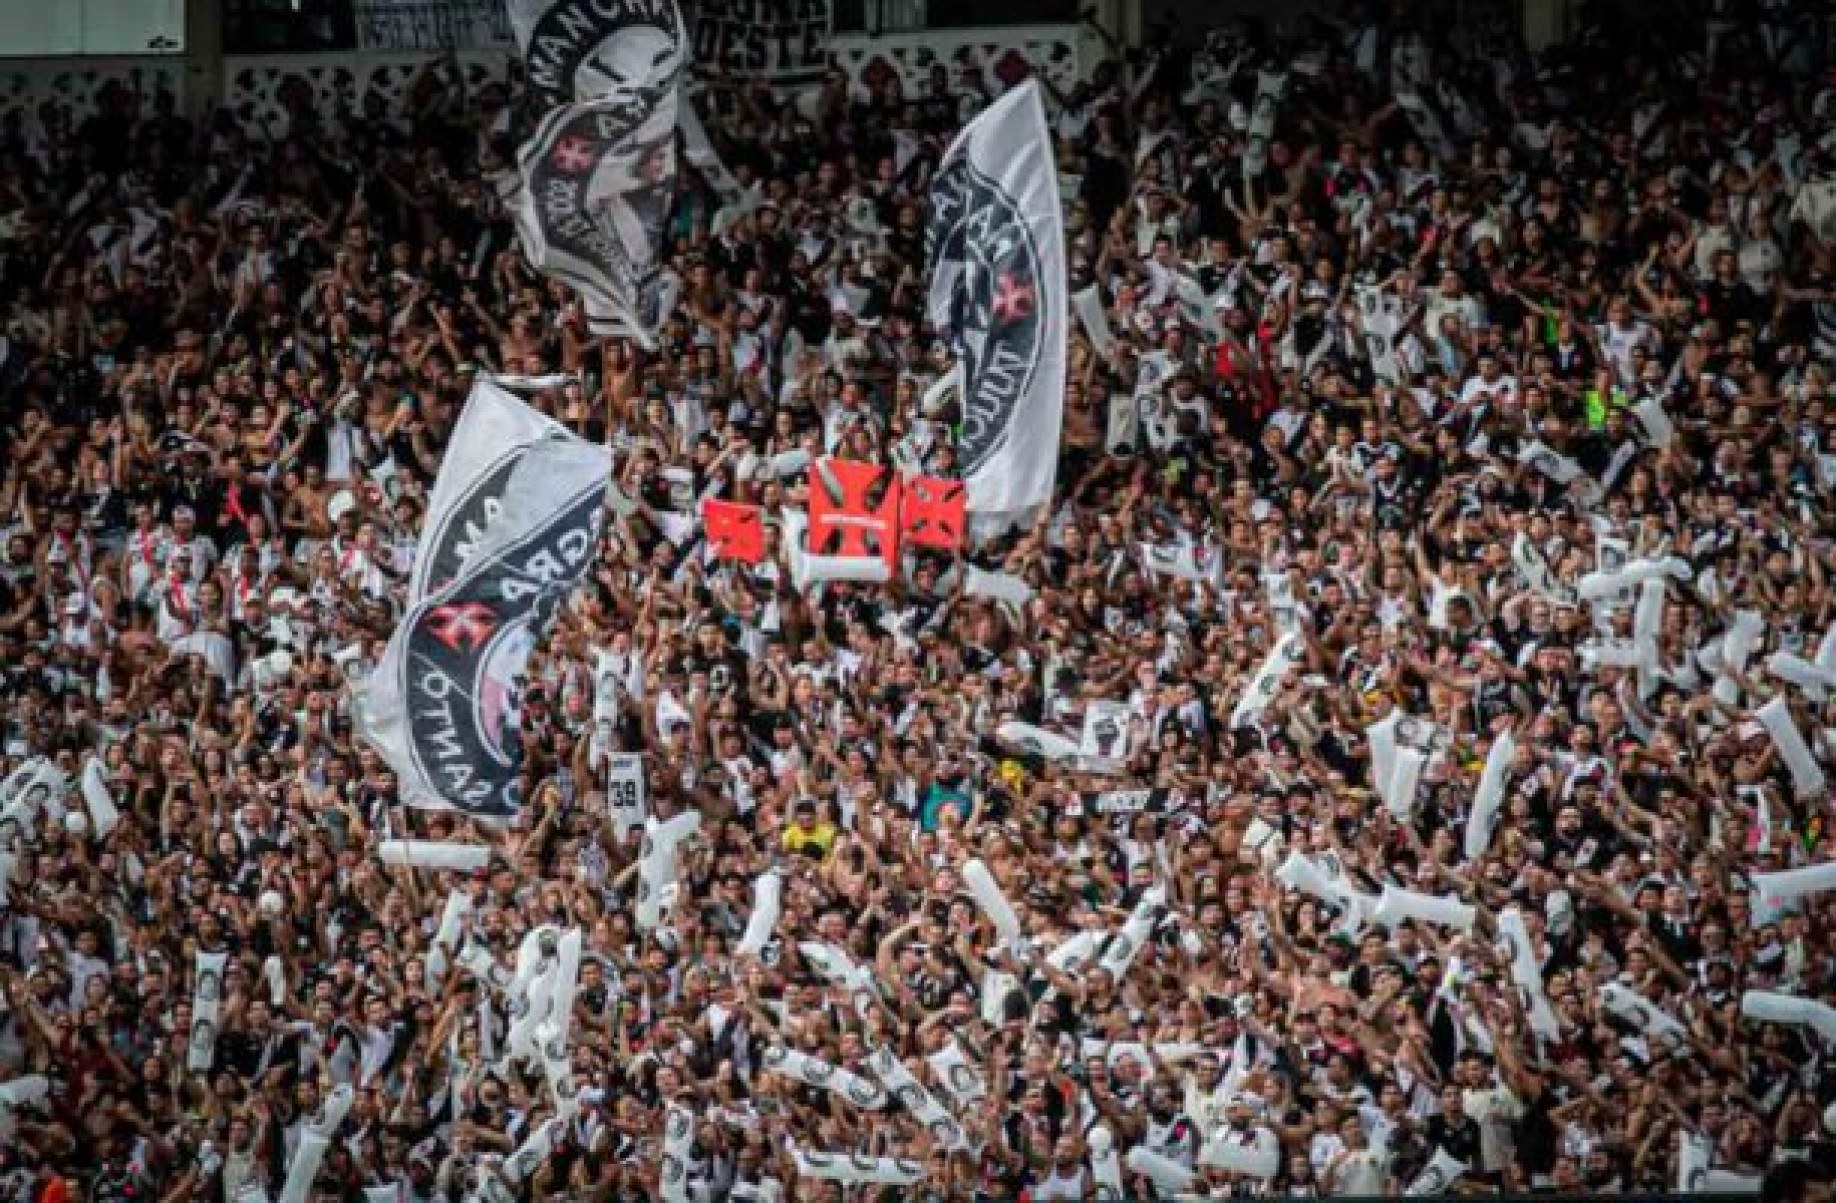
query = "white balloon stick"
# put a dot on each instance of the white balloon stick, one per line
(1735, 647)
(28, 1091)
(997, 586)
(1037, 741)
(304, 1167)
(814, 1071)
(1404, 781)
(988, 896)
(1693, 1153)
(911, 1094)
(104, 815)
(1658, 1026)
(446, 937)
(1165, 1173)
(767, 904)
(1268, 680)
(565, 985)
(656, 874)
(1814, 679)
(1381, 736)
(958, 1074)
(1441, 1172)
(678, 1144)
(1768, 1007)
(206, 998)
(1394, 906)
(275, 974)
(1807, 776)
(1260, 1158)
(839, 969)
(1125, 946)
(1489, 797)
(1105, 1164)
(1597, 586)
(1790, 884)
(536, 1148)
(432, 854)
(1075, 951)
(1527, 973)
(813, 569)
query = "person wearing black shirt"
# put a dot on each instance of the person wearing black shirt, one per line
(258, 1045)
(1726, 297)
(1798, 1182)
(1453, 1130)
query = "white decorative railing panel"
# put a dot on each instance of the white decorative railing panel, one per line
(263, 90)
(72, 84)
(999, 53)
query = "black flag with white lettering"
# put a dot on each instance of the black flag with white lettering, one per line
(585, 49)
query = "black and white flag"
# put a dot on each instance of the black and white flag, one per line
(493, 432)
(591, 197)
(1412, 82)
(444, 703)
(585, 49)
(1271, 94)
(593, 186)
(997, 249)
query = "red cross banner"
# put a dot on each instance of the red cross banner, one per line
(854, 511)
(932, 513)
(734, 531)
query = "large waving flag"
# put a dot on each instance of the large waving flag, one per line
(493, 432)
(583, 49)
(997, 250)
(443, 704)
(593, 186)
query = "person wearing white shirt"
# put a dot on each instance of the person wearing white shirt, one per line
(185, 536)
(1713, 236)
(366, 562)
(1244, 1147)
(1490, 387)
(1452, 300)
(345, 445)
(176, 597)
(1496, 1109)
(1759, 257)
(1207, 1094)
(247, 580)
(1620, 333)
(846, 413)
(375, 1040)
(148, 545)
(1361, 1167)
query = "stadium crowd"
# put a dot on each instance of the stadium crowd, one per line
(231, 360)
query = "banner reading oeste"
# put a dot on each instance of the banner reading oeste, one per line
(780, 42)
